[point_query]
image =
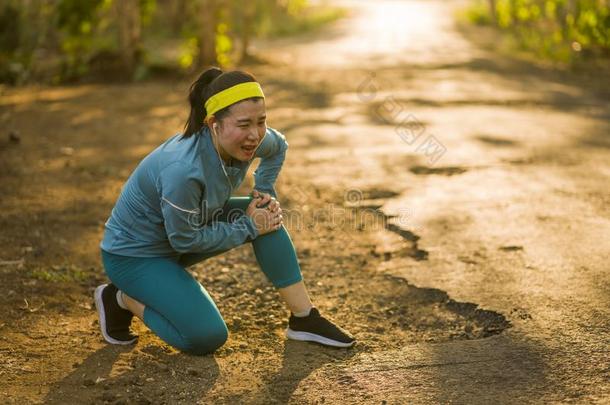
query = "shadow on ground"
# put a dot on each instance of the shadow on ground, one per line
(154, 375)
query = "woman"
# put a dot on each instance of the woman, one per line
(176, 210)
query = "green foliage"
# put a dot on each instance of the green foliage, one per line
(76, 17)
(304, 20)
(9, 28)
(188, 52)
(563, 30)
(63, 40)
(479, 14)
(77, 21)
(147, 10)
(24, 31)
(63, 273)
(293, 17)
(224, 44)
(9, 42)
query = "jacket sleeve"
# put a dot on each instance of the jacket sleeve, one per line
(181, 196)
(272, 152)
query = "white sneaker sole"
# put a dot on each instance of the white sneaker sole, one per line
(312, 337)
(97, 295)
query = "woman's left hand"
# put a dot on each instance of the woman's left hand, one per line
(265, 198)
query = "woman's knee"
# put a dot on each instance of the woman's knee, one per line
(207, 336)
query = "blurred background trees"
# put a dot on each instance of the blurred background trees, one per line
(563, 30)
(54, 41)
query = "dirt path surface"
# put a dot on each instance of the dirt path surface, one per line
(449, 207)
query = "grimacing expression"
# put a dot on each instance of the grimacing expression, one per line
(240, 133)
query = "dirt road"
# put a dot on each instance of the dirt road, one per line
(449, 207)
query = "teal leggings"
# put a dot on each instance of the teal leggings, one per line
(178, 309)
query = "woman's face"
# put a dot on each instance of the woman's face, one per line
(242, 130)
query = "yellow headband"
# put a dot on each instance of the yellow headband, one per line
(231, 96)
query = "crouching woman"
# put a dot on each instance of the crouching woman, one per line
(176, 210)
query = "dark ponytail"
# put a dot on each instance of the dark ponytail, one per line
(197, 99)
(210, 82)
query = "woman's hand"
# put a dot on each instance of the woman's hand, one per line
(263, 198)
(267, 219)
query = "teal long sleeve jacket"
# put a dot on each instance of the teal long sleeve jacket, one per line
(171, 202)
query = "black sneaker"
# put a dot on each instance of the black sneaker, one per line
(114, 320)
(316, 328)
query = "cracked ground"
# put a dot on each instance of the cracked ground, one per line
(449, 206)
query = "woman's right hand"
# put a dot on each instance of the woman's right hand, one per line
(267, 219)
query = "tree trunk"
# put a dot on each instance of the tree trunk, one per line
(179, 14)
(574, 8)
(207, 33)
(129, 30)
(492, 11)
(248, 10)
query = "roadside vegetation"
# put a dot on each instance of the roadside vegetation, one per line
(51, 41)
(572, 32)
